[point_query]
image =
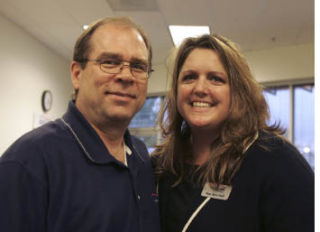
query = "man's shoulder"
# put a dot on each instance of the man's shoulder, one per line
(48, 132)
(34, 141)
(29, 153)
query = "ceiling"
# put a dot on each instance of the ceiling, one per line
(253, 24)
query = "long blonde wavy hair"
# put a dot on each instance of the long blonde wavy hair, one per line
(248, 114)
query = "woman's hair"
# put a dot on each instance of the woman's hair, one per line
(248, 114)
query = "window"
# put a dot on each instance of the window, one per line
(277, 97)
(303, 121)
(144, 123)
(147, 116)
(292, 106)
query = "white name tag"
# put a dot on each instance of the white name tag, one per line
(221, 193)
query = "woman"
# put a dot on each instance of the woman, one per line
(220, 167)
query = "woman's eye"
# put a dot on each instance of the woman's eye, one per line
(189, 77)
(216, 79)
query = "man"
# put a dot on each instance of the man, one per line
(84, 171)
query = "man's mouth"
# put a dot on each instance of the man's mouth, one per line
(120, 94)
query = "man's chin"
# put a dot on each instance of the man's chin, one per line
(120, 117)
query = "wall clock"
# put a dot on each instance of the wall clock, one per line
(46, 100)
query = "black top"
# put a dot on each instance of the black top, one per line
(180, 199)
(61, 177)
(273, 191)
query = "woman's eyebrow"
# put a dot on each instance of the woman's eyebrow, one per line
(222, 74)
(188, 71)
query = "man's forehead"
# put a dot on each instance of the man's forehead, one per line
(114, 37)
(118, 30)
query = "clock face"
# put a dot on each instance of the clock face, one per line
(46, 100)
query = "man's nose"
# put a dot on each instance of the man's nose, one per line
(125, 72)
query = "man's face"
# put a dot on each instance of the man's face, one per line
(102, 97)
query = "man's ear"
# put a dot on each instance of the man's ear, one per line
(76, 70)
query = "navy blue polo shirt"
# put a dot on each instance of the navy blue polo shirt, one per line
(61, 177)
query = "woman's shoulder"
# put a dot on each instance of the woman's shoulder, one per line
(276, 154)
(275, 145)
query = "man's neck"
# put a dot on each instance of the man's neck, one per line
(113, 139)
(111, 131)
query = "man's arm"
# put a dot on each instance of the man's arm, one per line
(23, 199)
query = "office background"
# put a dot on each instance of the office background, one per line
(277, 37)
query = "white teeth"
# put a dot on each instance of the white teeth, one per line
(200, 104)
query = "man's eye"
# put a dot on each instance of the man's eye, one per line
(139, 67)
(111, 62)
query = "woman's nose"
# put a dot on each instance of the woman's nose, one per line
(200, 86)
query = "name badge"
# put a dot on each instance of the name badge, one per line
(220, 193)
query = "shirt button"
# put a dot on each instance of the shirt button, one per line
(138, 197)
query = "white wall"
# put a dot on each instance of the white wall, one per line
(277, 64)
(27, 68)
(282, 63)
(158, 82)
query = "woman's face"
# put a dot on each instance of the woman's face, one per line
(203, 97)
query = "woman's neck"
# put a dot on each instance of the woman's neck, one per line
(201, 147)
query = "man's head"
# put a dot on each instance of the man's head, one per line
(82, 46)
(112, 61)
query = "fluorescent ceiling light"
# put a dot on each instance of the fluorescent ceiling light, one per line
(179, 33)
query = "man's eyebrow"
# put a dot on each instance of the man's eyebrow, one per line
(139, 61)
(109, 55)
